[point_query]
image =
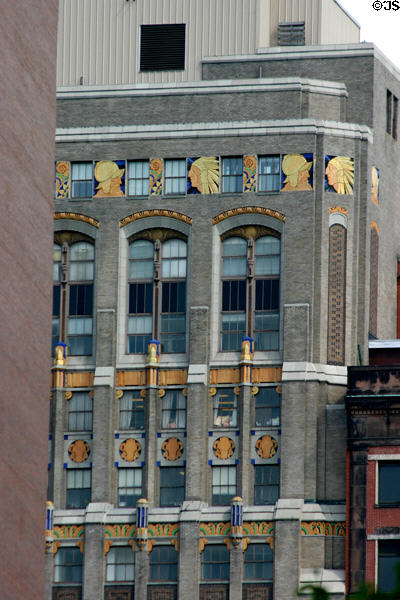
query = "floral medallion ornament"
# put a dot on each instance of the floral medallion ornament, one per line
(266, 446)
(79, 451)
(130, 450)
(224, 448)
(172, 449)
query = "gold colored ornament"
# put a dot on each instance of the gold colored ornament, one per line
(68, 395)
(254, 390)
(143, 393)
(185, 392)
(212, 391)
(79, 451)
(172, 449)
(119, 394)
(224, 448)
(161, 393)
(91, 394)
(236, 390)
(266, 446)
(130, 450)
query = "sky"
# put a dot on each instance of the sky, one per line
(382, 27)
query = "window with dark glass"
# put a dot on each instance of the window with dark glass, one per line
(82, 180)
(131, 410)
(68, 565)
(223, 484)
(267, 407)
(269, 173)
(232, 174)
(80, 412)
(258, 560)
(174, 410)
(120, 564)
(388, 559)
(266, 484)
(215, 561)
(392, 107)
(175, 176)
(389, 482)
(157, 295)
(162, 47)
(138, 178)
(79, 488)
(73, 296)
(250, 292)
(163, 564)
(129, 486)
(172, 486)
(225, 408)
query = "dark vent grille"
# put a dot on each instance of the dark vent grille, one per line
(162, 47)
(291, 34)
(118, 593)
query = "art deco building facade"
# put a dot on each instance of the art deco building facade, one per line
(225, 210)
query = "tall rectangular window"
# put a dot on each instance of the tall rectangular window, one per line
(129, 486)
(80, 412)
(172, 488)
(131, 412)
(162, 47)
(174, 410)
(215, 561)
(392, 107)
(258, 562)
(267, 407)
(175, 176)
(266, 484)
(157, 304)
(388, 559)
(138, 178)
(269, 173)
(163, 564)
(223, 484)
(225, 408)
(82, 180)
(389, 483)
(68, 565)
(120, 564)
(79, 488)
(232, 174)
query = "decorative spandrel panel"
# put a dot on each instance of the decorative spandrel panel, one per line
(109, 179)
(297, 172)
(339, 174)
(203, 175)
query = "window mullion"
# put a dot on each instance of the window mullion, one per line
(250, 286)
(64, 290)
(157, 288)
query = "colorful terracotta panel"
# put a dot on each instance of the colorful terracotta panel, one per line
(249, 173)
(224, 447)
(109, 179)
(297, 172)
(172, 449)
(79, 451)
(266, 446)
(156, 177)
(339, 174)
(62, 179)
(337, 294)
(203, 175)
(375, 180)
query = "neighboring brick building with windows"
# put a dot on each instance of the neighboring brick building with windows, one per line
(373, 489)
(217, 209)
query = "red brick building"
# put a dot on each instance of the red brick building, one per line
(373, 475)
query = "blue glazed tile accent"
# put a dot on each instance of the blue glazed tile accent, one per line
(237, 461)
(116, 436)
(143, 463)
(185, 434)
(252, 432)
(210, 462)
(253, 462)
(49, 466)
(237, 433)
(184, 463)
(279, 461)
(65, 466)
(65, 437)
(143, 435)
(115, 464)
(50, 437)
(158, 463)
(210, 433)
(158, 434)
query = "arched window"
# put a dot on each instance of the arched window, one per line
(157, 294)
(73, 275)
(250, 292)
